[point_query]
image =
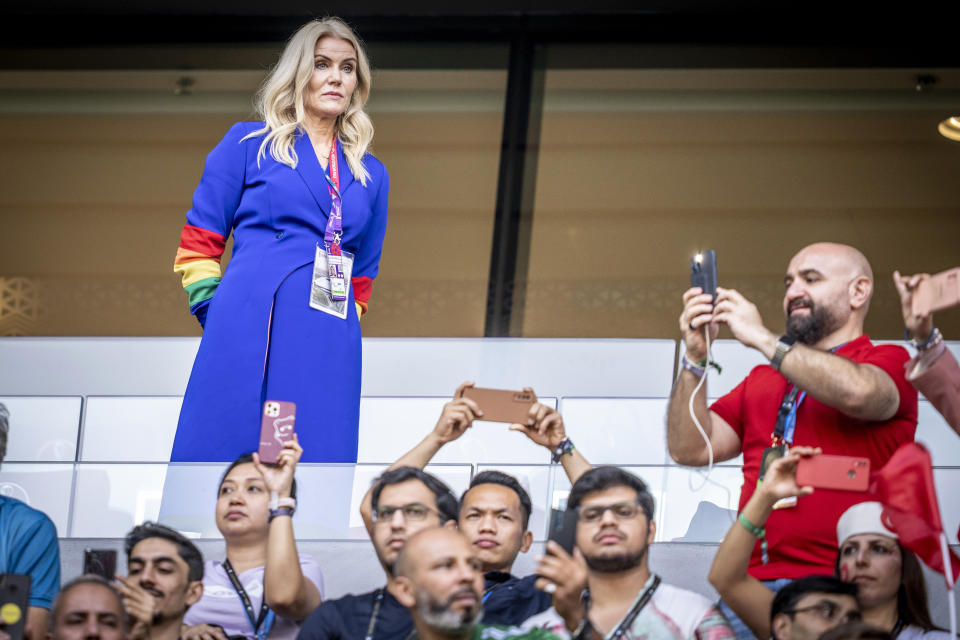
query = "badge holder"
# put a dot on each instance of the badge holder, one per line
(321, 291)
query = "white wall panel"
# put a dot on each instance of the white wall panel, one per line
(42, 428)
(553, 367)
(130, 429)
(934, 432)
(697, 512)
(618, 430)
(110, 498)
(46, 487)
(389, 427)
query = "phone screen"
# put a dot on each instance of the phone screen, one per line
(100, 562)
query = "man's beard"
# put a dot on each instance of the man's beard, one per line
(616, 563)
(813, 327)
(440, 617)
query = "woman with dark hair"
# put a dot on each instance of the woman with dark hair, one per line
(264, 588)
(891, 590)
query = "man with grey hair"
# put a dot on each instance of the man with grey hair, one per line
(28, 540)
(439, 578)
(88, 608)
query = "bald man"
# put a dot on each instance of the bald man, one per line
(826, 386)
(439, 578)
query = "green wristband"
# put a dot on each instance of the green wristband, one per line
(752, 528)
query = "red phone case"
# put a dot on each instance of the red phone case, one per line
(847, 473)
(276, 427)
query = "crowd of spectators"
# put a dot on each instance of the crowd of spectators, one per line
(796, 564)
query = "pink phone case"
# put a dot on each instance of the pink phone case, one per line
(846, 473)
(276, 427)
(940, 291)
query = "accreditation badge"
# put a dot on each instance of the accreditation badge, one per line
(321, 292)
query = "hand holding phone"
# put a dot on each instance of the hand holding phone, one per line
(939, 291)
(563, 528)
(501, 405)
(845, 473)
(276, 427)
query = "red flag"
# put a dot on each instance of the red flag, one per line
(905, 487)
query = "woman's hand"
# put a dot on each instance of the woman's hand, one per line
(920, 326)
(780, 480)
(279, 477)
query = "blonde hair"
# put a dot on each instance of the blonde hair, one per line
(281, 105)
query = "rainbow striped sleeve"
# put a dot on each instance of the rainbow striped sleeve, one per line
(198, 262)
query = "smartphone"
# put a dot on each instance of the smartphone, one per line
(846, 473)
(563, 528)
(703, 272)
(276, 427)
(939, 291)
(100, 562)
(502, 405)
(14, 600)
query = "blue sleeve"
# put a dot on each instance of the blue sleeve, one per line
(217, 197)
(371, 245)
(34, 552)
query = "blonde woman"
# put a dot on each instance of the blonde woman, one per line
(306, 204)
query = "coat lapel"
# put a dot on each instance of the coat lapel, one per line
(309, 169)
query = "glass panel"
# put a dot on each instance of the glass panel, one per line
(934, 432)
(46, 487)
(391, 426)
(639, 168)
(42, 428)
(109, 134)
(111, 498)
(130, 429)
(328, 497)
(699, 512)
(617, 430)
(653, 476)
(536, 480)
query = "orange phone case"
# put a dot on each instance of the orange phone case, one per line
(502, 405)
(276, 427)
(940, 291)
(847, 473)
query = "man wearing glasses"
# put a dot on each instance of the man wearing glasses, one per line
(808, 607)
(402, 502)
(624, 599)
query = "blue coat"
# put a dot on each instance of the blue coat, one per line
(276, 215)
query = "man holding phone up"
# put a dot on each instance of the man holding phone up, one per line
(826, 386)
(495, 509)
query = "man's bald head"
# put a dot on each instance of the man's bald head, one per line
(417, 551)
(828, 291)
(842, 257)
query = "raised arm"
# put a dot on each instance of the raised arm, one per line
(286, 590)
(545, 427)
(858, 390)
(746, 595)
(457, 416)
(684, 441)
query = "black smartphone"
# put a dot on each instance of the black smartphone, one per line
(563, 528)
(14, 600)
(100, 562)
(703, 272)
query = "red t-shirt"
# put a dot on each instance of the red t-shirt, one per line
(802, 540)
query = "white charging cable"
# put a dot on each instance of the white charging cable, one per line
(703, 433)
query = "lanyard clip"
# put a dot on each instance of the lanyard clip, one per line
(336, 237)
